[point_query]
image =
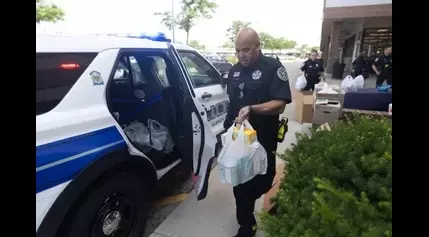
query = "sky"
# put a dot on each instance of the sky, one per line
(298, 20)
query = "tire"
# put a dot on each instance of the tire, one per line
(120, 198)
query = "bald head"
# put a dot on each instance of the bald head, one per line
(247, 46)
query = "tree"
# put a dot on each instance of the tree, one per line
(190, 11)
(48, 12)
(228, 44)
(195, 44)
(235, 27)
(166, 19)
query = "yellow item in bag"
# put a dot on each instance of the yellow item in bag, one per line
(249, 134)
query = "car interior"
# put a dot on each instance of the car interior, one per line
(140, 92)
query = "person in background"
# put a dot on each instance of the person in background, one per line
(359, 66)
(258, 90)
(319, 57)
(383, 67)
(312, 69)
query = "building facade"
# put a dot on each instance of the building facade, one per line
(351, 27)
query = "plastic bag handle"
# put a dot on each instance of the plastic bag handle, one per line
(247, 124)
(155, 124)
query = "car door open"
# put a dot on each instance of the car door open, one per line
(199, 141)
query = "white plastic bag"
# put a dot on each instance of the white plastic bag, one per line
(347, 84)
(301, 83)
(320, 86)
(138, 134)
(359, 82)
(158, 134)
(239, 162)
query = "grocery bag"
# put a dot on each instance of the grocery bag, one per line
(241, 158)
(359, 82)
(158, 134)
(301, 83)
(138, 134)
(347, 84)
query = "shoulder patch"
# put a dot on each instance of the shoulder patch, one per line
(282, 74)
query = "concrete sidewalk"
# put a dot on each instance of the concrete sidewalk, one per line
(215, 215)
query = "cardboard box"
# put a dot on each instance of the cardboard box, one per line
(304, 106)
(325, 113)
(333, 97)
(274, 188)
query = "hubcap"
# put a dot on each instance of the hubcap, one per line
(116, 218)
(111, 222)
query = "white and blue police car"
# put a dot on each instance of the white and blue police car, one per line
(92, 179)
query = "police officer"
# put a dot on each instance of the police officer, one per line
(312, 70)
(258, 90)
(359, 66)
(382, 66)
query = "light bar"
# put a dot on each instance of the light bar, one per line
(160, 37)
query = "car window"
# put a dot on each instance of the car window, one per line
(56, 73)
(122, 72)
(200, 71)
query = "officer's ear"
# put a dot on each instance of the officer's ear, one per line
(223, 78)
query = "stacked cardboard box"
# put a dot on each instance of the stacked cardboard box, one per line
(328, 106)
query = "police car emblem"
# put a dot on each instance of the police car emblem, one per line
(282, 74)
(96, 78)
(256, 75)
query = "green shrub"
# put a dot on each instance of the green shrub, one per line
(337, 183)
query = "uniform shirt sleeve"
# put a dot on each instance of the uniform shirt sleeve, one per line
(279, 86)
(377, 62)
(304, 67)
(228, 81)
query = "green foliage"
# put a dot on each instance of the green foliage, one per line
(338, 183)
(233, 30)
(270, 42)
(48, 12)
(190, 11)
(307, 49)
(196, 45)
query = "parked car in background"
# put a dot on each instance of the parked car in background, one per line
(221, 64)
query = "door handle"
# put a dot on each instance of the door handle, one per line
(206, 95)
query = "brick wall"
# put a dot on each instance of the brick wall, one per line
(358, 11)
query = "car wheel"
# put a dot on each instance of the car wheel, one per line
(116, 206)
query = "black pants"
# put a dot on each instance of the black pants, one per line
(246, 194)
(381, 78)
(311, 82)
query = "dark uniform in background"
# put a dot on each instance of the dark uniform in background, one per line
(384, 65)
(359, 66)
(264, 81)
(312, 71)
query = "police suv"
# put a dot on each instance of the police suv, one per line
(92, 177)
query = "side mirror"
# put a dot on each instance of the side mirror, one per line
(223, 78)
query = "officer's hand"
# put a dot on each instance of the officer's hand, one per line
(243, 114)
(378, 73)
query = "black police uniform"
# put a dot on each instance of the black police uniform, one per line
(384, 65)
(359, 67)
(264, 81)
(312, 70)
